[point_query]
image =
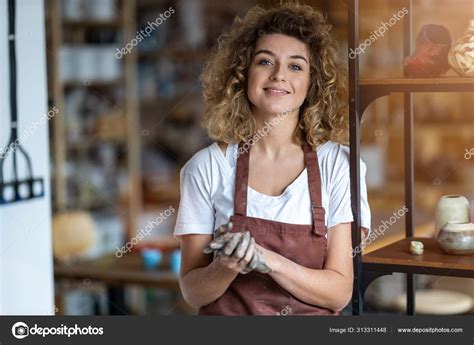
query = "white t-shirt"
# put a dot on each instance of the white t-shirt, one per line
(208, 183)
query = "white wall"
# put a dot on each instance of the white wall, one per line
(26, 270)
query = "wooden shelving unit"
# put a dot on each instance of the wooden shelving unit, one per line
(395, 257)
(124, 26)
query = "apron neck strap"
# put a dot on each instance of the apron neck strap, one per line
(314, 181)
(242, 179)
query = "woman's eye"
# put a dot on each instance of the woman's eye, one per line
(296, 67)
(264, 62)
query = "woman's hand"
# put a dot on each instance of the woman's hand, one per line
(237, 251)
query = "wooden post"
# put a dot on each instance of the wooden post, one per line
(59, 142)
(132, 120)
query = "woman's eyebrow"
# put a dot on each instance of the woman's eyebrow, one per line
(265, 51)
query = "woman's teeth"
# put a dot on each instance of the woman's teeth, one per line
(275, 92)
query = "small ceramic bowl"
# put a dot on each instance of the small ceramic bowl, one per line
(456, 238)
(151, 258)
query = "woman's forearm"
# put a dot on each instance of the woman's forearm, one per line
(204, 285)
(322, 287)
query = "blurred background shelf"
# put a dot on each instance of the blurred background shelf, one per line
(414, 82)
(93, 83)
(96, 140)
(92, 24)
(177, 54)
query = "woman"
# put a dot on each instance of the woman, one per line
(276, 183)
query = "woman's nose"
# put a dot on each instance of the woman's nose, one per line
(277, 74)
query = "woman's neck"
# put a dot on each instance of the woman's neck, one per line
(275, 133)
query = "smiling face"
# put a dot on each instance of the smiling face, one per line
(278, 75)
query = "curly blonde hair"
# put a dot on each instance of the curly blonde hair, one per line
(228, 117)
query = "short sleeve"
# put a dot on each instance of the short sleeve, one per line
(340, 207)
(195, 212)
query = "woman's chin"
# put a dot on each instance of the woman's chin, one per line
(275, 109)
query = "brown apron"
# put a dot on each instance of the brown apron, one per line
(256, 293)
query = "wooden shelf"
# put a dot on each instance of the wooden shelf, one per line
(88, 143)
(127, 270)
(116, 273)
(396, 257)
(178, 54)
(371, 89)
(95, 205)
(92, 24)
(442, 81)
(396, 187)
(445, 127)
(93, 83)
(150, 3)
(158, 101)
(443, 84)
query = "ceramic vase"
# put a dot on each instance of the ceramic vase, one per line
(451, 208)
(430, 58)
(461, 55)
(456, 238)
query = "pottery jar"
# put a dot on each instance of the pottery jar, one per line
(451, 208)
(456, 238)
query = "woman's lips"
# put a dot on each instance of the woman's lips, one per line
(275, 92)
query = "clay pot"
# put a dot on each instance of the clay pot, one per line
(430, 58)
(451, 208)
(457, 238)
(461, 55)
(74, 233)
